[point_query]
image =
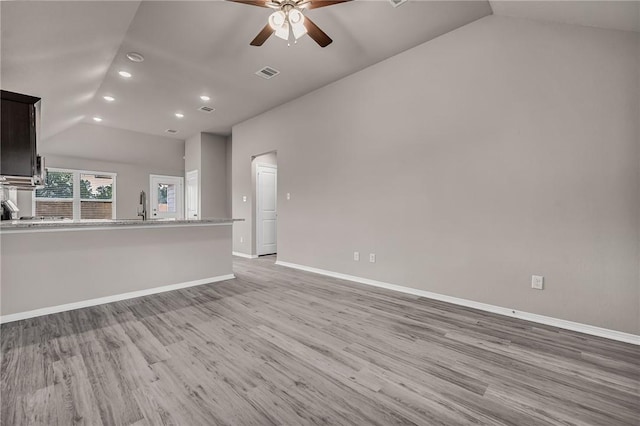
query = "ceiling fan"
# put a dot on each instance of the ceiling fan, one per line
(288, 21)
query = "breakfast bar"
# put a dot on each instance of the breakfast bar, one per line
(58, 265)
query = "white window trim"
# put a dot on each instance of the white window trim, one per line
(76, 191)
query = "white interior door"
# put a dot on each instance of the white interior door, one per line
(192, 202)
(166, 199)
(266, 215)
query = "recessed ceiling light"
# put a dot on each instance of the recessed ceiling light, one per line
(135, 57)
(179, 114)
(109, 98)
(98, 119)
(205, 98)
(125, 74)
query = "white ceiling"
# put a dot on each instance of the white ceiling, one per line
(69, 53)
(612, 15)
(62, 51)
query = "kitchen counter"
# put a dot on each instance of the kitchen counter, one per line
(37, 225)
(46, 269)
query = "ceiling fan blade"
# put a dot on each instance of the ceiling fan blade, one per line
(262, 36)
(259, 3)
(316, 33)
(315, 4)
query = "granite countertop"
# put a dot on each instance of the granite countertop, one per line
(68, 224)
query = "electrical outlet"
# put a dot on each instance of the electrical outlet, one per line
(288, 195)
(356, 256)
(244, 198)
(372, 257)
(242, 239)
(537, 282)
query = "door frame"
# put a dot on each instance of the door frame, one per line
(259, 205)
(190, 173)
(181, 206)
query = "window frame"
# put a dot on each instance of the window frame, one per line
(76, 199)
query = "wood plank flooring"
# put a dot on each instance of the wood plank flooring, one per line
(283, 347)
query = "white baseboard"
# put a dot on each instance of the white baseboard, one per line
(541, 319)
(246, 256)
(108, 299)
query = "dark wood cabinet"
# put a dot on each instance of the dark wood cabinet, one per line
(19, 126)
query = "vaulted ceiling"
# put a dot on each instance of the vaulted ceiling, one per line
(609, 14)
(61, 52)
(70, 53)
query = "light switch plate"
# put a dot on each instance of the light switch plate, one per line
(288, 196)
(372, 257)
(537, 282)
(356, 256)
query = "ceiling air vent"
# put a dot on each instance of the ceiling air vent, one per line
(396, 3)
(267, 72)
(206, 109)
(172, 131)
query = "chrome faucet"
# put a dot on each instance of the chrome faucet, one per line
(143, 203)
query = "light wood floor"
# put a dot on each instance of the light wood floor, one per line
(278, 346)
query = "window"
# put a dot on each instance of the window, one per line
(167, 198)
(76, 194)
(56, 198)
(96, 196)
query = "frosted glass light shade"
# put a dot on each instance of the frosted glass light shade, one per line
(277, 19)
(283, 31)
(298, 30)
(295, 17)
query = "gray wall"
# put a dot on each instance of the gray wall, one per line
(207, 153)
(36, 272)
(105, 143)
(132, 155)
(500, 150)
(214, 176)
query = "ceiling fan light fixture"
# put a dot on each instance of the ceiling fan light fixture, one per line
(283, 31)
(298, 30)
(288, 21)
(295, 17)
(277, 19)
